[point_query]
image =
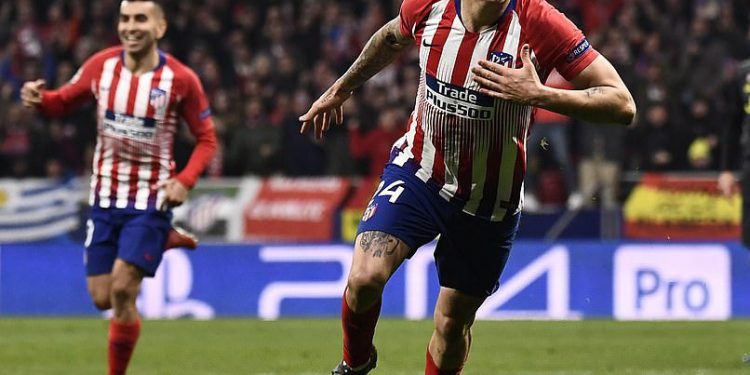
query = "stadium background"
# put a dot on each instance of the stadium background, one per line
(277, 210)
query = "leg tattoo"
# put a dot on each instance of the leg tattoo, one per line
(381, 244)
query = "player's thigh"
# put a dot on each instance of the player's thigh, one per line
(142, 240)
(455, 310)
(99, 287)
(402, 215)
(100, 246)
(126, 279)
(472, 253)
(377, 255)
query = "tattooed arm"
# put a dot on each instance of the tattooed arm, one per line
(382, 48)
(600, 94)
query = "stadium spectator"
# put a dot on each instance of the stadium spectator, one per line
(262, 49)
(550, 133)
(735, 144)
(375, 145)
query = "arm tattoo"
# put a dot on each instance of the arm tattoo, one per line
(381, 244)
(594, 91)
(380, 50)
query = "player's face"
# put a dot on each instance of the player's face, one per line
(141, 24)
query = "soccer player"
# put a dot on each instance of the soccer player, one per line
(458, 171)
(735, 144)
(141, 93)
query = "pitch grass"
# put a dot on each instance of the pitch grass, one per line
(77, 346)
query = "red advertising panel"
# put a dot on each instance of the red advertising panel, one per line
(672, 207)
(295, 209)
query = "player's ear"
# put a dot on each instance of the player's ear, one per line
(161, 27)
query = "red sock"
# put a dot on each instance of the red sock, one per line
(122, 339)
(432, 369)
(359, 328)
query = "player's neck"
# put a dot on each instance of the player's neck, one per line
(480, 14)
(139, 64)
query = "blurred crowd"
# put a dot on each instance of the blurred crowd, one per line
(263, 62)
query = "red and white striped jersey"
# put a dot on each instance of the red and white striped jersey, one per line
(137, 118)
(469, 144)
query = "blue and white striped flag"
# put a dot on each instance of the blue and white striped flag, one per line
(34, 210)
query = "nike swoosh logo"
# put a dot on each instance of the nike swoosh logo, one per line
(424, 43)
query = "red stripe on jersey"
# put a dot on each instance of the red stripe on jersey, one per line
(438, 41)
(465, 52)
(155, 158)
(438, 164)
(108, 142)
(416, 150)
(136, 166)
(489, 190)
(126, 146)
(466, 158)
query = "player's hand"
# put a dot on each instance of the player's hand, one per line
(175, 193)
(320, 114)
(727, 183)
(516, 85)
(31, 93)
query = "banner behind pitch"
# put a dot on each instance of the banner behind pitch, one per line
(569, 280)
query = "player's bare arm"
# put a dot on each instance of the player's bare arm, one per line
(382, 48)
(600, 94)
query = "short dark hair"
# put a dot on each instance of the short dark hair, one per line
(159, 4)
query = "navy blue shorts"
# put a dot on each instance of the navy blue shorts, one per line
(471, 252)
(137, 237)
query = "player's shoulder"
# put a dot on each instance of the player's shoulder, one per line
(416, 8)
(182, 73)
(184, 78)
(103, 55)
(533, 9)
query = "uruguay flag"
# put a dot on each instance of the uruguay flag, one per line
(35, 210)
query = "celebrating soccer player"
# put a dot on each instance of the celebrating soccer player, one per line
(458, 171)
(141, 93)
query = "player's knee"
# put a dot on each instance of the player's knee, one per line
(102, 301)
(451, 327)
(122, 291)
(365, 282)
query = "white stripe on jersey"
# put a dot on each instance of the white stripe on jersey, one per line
(102, 95)
(451, 148)
(122, 94)
(143, 95)
(431, 26)
(484, 135)
(140, 109)
(105, 86)
(513, 115)
(165, 149)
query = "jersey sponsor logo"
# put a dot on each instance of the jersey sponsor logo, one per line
(205, 114)
(158, 98)
(580, 49)
(502, 58)
(131, 127)
(459, 101)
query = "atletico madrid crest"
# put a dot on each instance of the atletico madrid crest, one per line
(158, 98)
(370, 211)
